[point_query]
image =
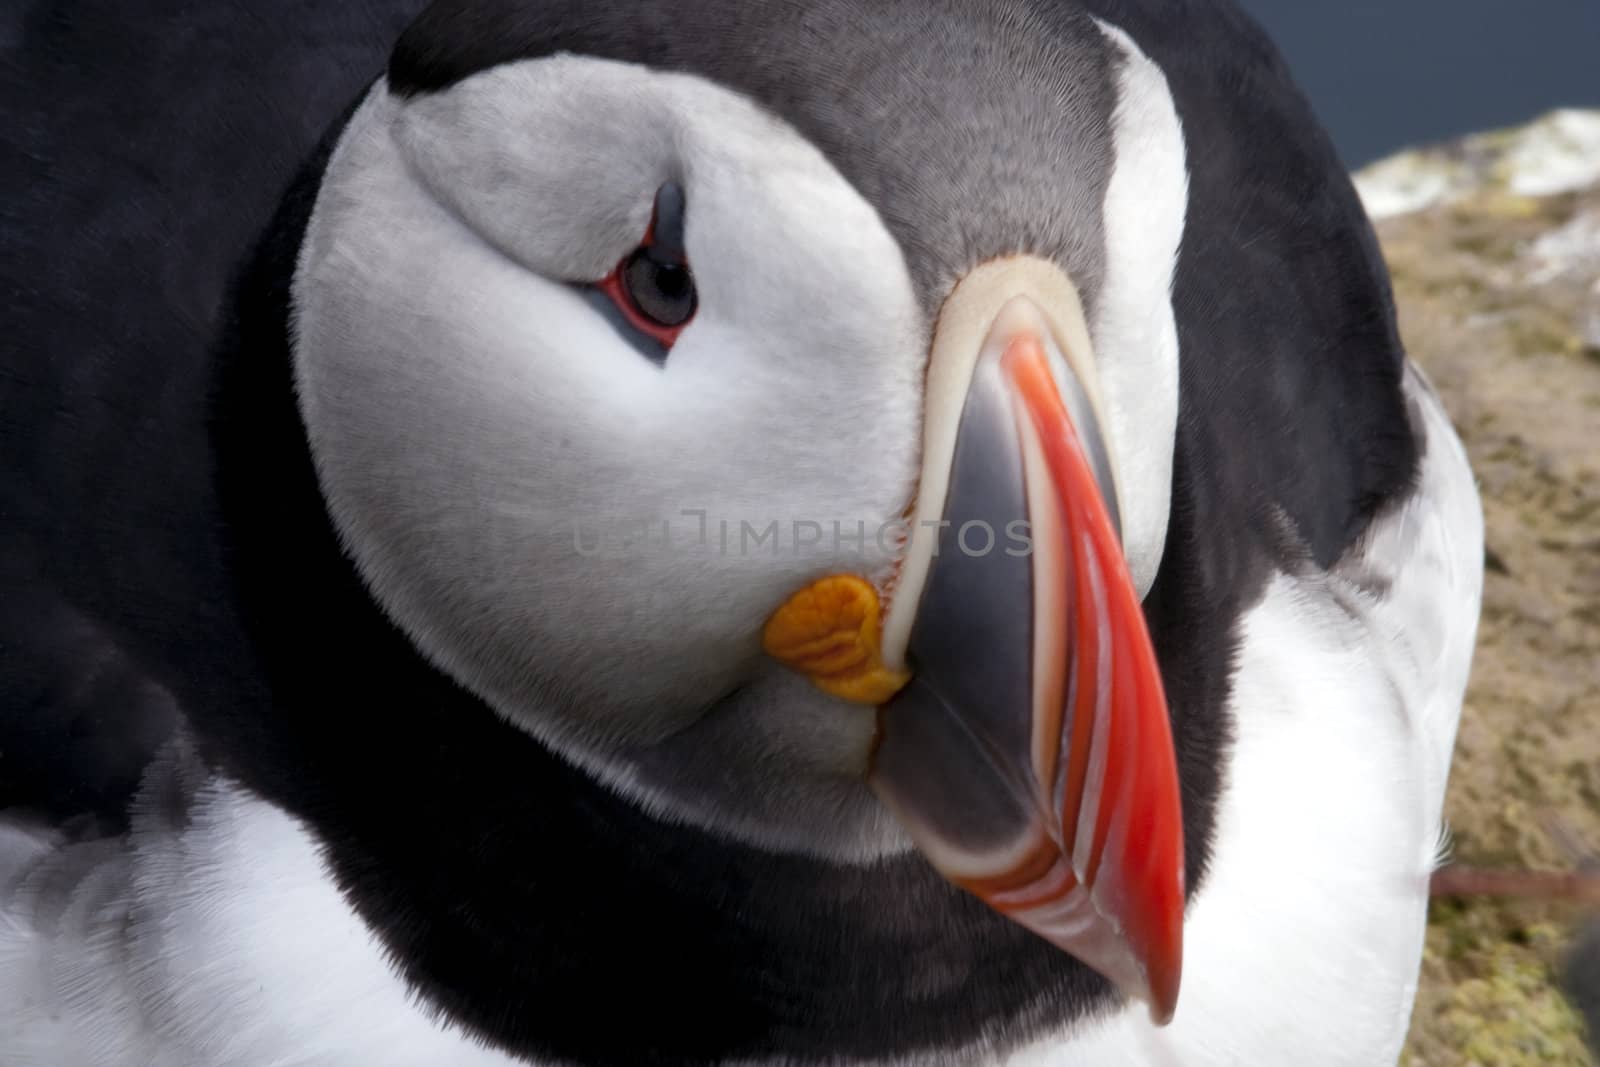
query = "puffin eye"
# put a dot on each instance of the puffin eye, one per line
(652, 289)
(661, 290)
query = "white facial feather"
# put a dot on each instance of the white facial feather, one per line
(480, 431)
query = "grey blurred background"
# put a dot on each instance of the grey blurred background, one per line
(1385, 74)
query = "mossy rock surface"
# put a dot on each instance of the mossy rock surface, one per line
(1499, 297)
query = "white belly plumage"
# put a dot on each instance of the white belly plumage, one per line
(219, 940)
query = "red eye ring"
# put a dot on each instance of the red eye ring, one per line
(615, 287)
(652, 287)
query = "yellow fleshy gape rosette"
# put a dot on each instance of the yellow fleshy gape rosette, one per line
(830, 631)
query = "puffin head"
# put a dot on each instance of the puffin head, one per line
(793, 467)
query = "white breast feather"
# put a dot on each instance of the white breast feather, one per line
(223, 943)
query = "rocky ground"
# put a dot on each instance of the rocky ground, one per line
(1494, 244)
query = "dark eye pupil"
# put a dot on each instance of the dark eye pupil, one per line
(662, 289)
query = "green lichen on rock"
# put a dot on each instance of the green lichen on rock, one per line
(1489, 994)
(1497, 278)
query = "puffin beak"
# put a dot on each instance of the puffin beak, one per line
(1023, 738)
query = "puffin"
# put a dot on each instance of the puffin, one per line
(646, 534)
